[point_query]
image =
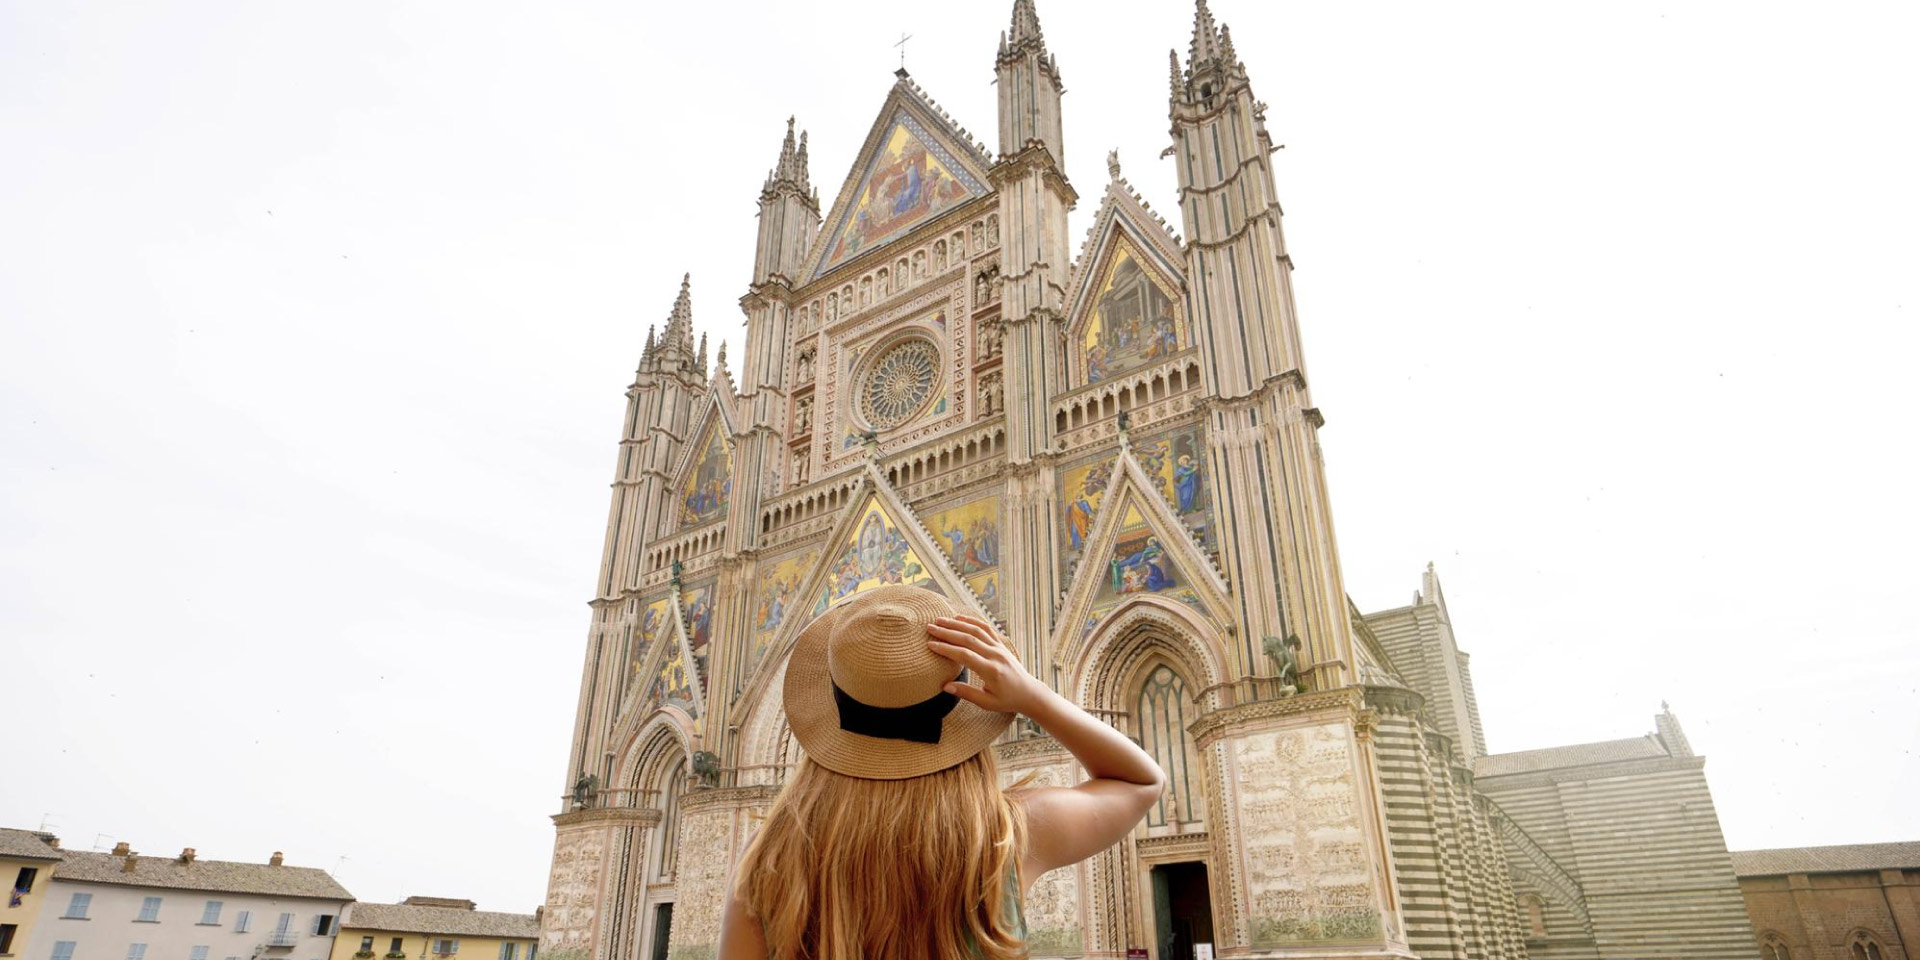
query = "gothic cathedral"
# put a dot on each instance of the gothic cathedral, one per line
(1113, 453)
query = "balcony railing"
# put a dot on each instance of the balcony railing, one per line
(283, 938)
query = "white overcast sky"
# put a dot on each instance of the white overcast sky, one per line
(315, 320)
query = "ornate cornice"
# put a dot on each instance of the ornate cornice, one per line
(728, 796)
(1211, 726)
(617, 816)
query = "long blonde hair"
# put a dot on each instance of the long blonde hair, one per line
(848, 869)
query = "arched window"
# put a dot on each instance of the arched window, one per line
(1773, 947)
(1536, 915)
(1865, 947)
(669, 829)
(1163, 712)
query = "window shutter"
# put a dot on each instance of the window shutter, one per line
(63, 950)
(77, 907)
(150, 910)
(199, 953)
(136, 951)
(211, 915)
(286, 923)
(243, 921)
(319, 921)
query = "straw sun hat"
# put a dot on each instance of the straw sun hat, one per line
(863, 691)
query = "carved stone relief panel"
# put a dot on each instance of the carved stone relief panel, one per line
(706, 855)
(1052, 907)
(573, 887)
(1303, 845)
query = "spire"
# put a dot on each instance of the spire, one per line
(678, 337)
(1206, 38)
(1026, 25)
(1176, 81)
(1226, 46)
(791, 168)
(703, 353)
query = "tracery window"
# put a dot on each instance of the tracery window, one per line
(1865, 947)
(1162, 711)
(668, 831)
(1774, 948)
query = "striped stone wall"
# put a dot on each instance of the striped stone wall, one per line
(1643, 842)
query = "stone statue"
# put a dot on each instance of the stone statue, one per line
(1286, 665)
(583, 791)
(706, 769)
(803, 414)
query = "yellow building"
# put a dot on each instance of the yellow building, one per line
(434, 928)
(26, 862)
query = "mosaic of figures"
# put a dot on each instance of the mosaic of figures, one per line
(970, 536)
(703, 495)
(1134, 321)
(1175, 460)
(780, 583)
(875, 553)
(669, 683)
(1137, 564)
(697, 601)
(911, 177)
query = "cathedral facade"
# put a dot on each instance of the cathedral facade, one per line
(1109, 448)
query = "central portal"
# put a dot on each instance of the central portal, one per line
(1182, 912)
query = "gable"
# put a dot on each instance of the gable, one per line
(878, 540)
(1138, 549)
(909, 175)
(1130, 317)
(659, 660)
(708, 477)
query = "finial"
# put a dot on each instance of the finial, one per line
(1026, 23)
(1226, 46)
(1173, 69)
(1113, 163)
(1664, 708)
(721, 360)
(703, 353)
(1206, 39)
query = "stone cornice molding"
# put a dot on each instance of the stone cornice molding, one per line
(1394, 701)
(1033, 158)
(1045, 749)
(615, 816)
(1590, 771)
(723, 797)
(1212, 726)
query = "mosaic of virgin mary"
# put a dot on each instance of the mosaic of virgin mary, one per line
(906, 184)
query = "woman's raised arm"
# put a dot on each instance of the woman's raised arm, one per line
(1065, 825)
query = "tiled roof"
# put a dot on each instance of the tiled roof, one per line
(1843, 859)
(25, 845)
(1576, 755)
(444, 921)
(217, 875)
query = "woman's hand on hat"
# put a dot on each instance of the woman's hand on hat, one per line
(1004, 685)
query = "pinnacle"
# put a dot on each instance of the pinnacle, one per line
(1206, 37)
(679, 332)
(792, 166)
(1026, 23)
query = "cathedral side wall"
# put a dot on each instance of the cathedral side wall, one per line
(1817, 915)
(1644, 842)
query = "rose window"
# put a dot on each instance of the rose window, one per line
(899, 382)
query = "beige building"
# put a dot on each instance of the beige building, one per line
(26, 861)
(1111, 449)
(109, 906)
(434, 928)
(1859, 902)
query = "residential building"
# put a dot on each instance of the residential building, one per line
(1858, 902)
(26, 860)
(434, 928)
(123, 906)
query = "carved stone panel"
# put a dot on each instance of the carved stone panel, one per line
(1303, 844)
(573, 887)
(1052, 906)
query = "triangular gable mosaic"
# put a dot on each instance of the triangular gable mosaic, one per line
(1134, 318)
(661, 660)
(878, 540)
(909, 177)
(1175, 460)
(708, 478)
(1138, 548)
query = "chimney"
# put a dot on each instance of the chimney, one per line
(187, 855)
(122, 849)
(277, 859)
(52, 841)
(128, 866)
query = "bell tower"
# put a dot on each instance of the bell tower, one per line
(1277, 531)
